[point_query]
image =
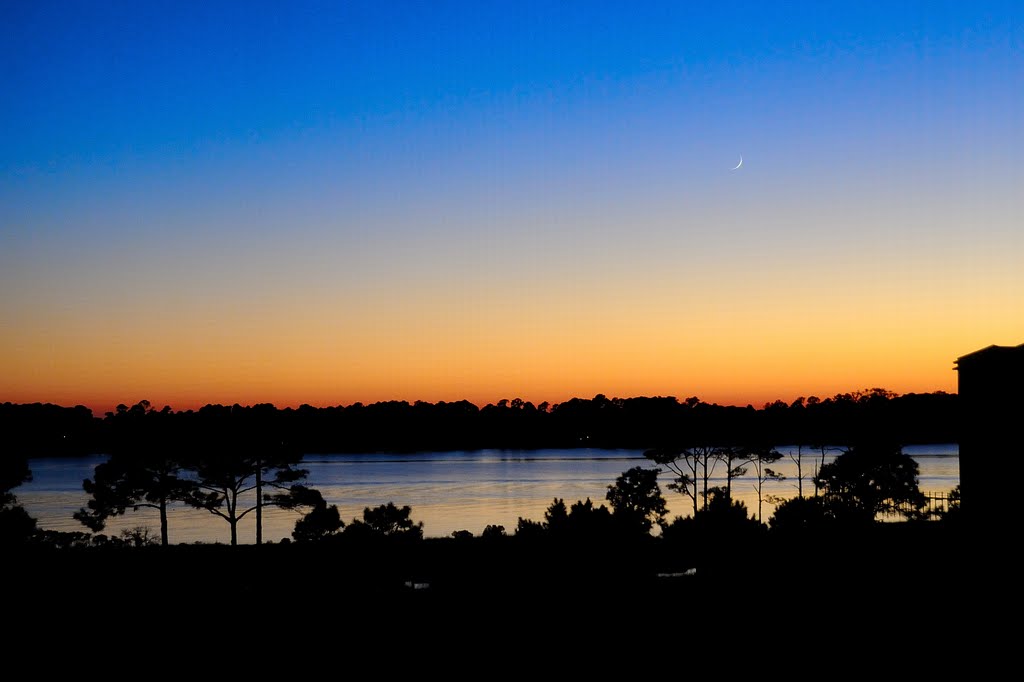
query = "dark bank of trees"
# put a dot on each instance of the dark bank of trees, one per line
(233, 461)
(46, 430)
(642, 422)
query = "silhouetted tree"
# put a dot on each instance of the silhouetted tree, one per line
(237, 454)
(823, 451)
(132, 481)
(143, 470)
(389, 521)
(801, 514)
(224, 482)
(556, 517)
(275, 464)
(719, 537)
(724, 511)
(636, 499)
(760, 457)
(14, 471)
(493, 532)
(138, 536)
(16, 525)
(63, 539)
(529, 529)
(952, 513)
(798, 460)
(730, 456)
(688, 465)
(320, 522)
(875, 478)
(589, 522)
(581, 521)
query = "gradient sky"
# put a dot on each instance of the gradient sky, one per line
(334, 202)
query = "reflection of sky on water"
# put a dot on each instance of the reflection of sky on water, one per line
(447, 491)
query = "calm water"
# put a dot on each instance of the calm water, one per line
(447, 491)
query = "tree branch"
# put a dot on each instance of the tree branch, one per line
(218, 512)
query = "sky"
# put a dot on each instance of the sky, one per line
(332, 202)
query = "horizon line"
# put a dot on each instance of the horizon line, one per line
(294, 405)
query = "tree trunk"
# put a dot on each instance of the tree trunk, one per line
(259, 502)
(232, 504)
(728, 478)
(695, 484)
(163, 522)
(704, 505)
(759, 498)
(799, 472)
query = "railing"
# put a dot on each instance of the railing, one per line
(935, 504)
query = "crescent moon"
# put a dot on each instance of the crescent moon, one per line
(737, 166)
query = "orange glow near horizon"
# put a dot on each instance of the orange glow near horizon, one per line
(734, 345)
(482, 370)
(738, 347)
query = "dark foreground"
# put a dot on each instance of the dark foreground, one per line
(900, 583)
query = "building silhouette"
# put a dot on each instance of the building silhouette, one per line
(991, 390)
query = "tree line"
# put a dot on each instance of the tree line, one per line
(236, 462)
(641, 422)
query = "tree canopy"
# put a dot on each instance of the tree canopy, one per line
(636, 499)
(387, 520)
(16, 526)
(874, 478)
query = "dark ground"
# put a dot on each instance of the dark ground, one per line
(909, 586)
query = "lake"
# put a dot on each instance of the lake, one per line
(448, 491)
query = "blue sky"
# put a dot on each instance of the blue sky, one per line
(272, 166)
